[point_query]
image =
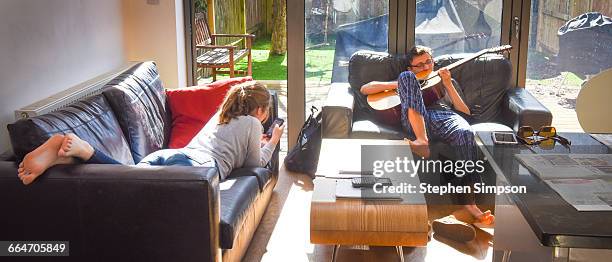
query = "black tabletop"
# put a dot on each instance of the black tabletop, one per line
(554, 221)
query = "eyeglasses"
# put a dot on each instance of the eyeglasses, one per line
(422, 64)
(531, 137)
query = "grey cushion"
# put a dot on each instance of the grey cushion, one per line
(138, 99)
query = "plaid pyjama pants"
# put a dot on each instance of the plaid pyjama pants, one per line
(444, 124)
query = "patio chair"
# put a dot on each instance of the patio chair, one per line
(213, 56)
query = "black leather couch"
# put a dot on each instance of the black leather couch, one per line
(485, 82)
(127, 212)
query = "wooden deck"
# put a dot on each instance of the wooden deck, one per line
(561, 101)
(564, 119)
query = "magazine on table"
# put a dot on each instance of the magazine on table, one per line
(584, 194)
(583, 180)
(605, 139)
(551, 166)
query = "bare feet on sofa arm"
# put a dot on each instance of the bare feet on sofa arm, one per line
(73, 146)
(38, 161)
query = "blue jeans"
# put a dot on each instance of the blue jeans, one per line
(164, 157)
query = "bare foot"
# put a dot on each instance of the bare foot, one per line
(473, 215)
(73, 146)
(38, 161)
(486, 219)
(419, 147)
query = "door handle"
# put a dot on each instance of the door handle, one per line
(517, 27)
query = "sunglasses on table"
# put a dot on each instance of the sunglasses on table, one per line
(546, 134)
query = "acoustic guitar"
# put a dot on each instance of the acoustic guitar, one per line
(387, 103)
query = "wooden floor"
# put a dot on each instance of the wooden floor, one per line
(283, 234)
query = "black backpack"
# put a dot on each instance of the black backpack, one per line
(304, 156)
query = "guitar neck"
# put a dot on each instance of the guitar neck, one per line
(461, 62)
(474, 56)
(465, 60)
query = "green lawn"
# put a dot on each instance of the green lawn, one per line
(266, 66)
(542, 71)
(319, 62)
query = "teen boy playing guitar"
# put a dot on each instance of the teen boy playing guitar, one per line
(438, 118)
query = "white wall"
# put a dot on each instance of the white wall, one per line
(155, 32)
(49, 45)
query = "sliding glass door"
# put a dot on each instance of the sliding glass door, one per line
(569, 42)
(334, 30)
(458, 26)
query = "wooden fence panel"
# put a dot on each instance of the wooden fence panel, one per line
(229, 18)
(603, 6)
(255, 12)
(241, 16)
(553, 14)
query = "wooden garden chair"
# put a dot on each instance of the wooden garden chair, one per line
(213, 56)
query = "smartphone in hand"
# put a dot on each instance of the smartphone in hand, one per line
(278, 121)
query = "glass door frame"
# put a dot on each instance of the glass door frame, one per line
(517, 34)
(190, 49)
(296, 77)
(511, 10)
(296, 80)
(401, 39)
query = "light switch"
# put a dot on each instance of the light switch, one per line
(153, 2)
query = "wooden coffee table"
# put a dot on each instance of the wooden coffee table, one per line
(346, 221)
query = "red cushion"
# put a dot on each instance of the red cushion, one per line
(192, 107)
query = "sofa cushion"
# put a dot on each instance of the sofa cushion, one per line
(139, 101)
(237, 195)
(490, 127)
(183, 130)
(91, 119)
(367, 129)
(484, 81)
(367, 66)
(192, 107)
(263, 175)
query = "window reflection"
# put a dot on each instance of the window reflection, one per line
(458, 26)
(335, 29)
(569, 42)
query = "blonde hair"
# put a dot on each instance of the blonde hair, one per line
(242, 99)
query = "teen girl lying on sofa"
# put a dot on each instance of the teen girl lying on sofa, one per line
(233, 138)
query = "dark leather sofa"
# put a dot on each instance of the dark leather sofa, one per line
(127, 212)
(495, 104)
